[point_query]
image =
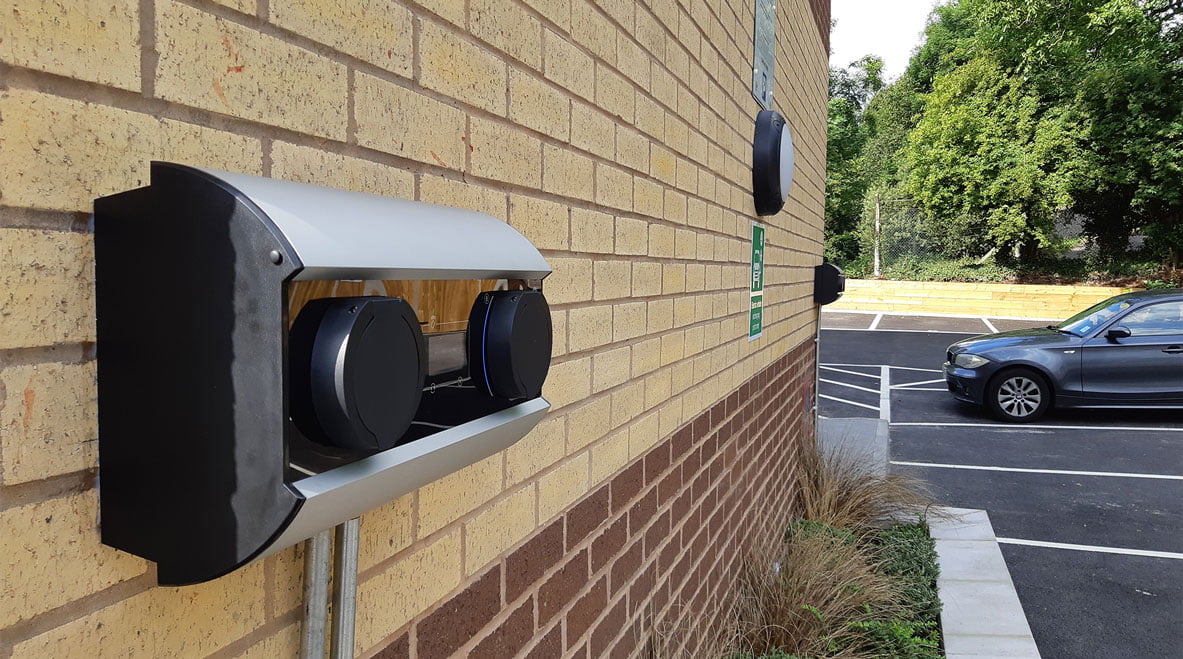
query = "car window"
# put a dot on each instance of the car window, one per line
(1095, 316)
(1155, 320)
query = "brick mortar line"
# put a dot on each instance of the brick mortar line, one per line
(593, 626)
(306, 43)
(609, 257)
(658, 61)
(72, 353)
(20, 217)
(572, 355)
(19, 495)
(61, 86)
(714, 486)
(324, 50)
(720, 504)
(164, 109)
(77, 609)
(44, 489)
(645, 216)
(275, 625)
(585, 544)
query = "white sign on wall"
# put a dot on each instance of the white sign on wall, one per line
(764, 55)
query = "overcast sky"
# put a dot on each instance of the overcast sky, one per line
(887, 28)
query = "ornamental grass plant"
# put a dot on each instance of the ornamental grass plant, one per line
(846, 580)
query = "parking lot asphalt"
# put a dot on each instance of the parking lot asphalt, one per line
(1087, 504)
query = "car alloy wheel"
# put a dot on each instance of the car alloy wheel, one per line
(1019, 395)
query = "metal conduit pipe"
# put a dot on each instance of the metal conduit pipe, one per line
(317, 554)
(345, 589)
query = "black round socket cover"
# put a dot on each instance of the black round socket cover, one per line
(509, 341)
(357, 367)
(766, 163)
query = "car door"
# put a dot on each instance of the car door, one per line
(1146, 366)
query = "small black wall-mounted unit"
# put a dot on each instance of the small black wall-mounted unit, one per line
(266, 371)
(829, 283)
(772, 162)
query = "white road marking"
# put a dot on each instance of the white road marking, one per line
(908, 385)
(935, 315)
(885, 393)
(989, 325)
(1062, 472)
(1103, 550)
(859, 329)
(1006, 427)
(848, 402)
(945, 390)
(898, 368)
(875, 323)
(838, 370)
(852, 386)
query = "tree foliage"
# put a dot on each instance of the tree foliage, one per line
(851, 89)
(1013, 110)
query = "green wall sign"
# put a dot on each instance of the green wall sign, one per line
(756, 308)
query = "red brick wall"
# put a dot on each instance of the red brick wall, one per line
(650, 557)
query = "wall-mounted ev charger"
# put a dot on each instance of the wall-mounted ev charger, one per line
(234, 422)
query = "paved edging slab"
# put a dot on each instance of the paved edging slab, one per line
(981, 615)
(861, 439)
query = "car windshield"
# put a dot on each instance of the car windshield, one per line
(1093, 317)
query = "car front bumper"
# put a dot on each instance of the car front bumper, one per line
(966, 384)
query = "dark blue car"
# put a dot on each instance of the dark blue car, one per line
(1124, 352)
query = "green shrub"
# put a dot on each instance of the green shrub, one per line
(905, 639)
(842, 247)
(909, 553)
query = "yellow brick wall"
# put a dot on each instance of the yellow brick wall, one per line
(962, 298)
(615, 135)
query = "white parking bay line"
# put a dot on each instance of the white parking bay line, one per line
(989, 325)
(880, 329)
(885, 393)
(838, 370)
(1019, 470)
(875, 323)
(848, 402)
(1030, 425)
(852, 386)
(909, 385)
(1103, 550)
(898, 368)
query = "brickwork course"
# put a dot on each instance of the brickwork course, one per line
(615, 135)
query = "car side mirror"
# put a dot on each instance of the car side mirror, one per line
(1119, 332)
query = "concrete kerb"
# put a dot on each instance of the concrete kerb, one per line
(981, 615)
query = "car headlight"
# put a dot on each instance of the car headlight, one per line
(966, 360)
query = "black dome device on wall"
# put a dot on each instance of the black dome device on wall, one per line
(829, 283)
(357, 370)
(509, 342)
(208, 394)
(772, 162)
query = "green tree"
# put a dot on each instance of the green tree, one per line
(851, 88)
(986, 149)
(1118, 65)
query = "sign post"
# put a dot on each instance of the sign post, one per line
(756, 308)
